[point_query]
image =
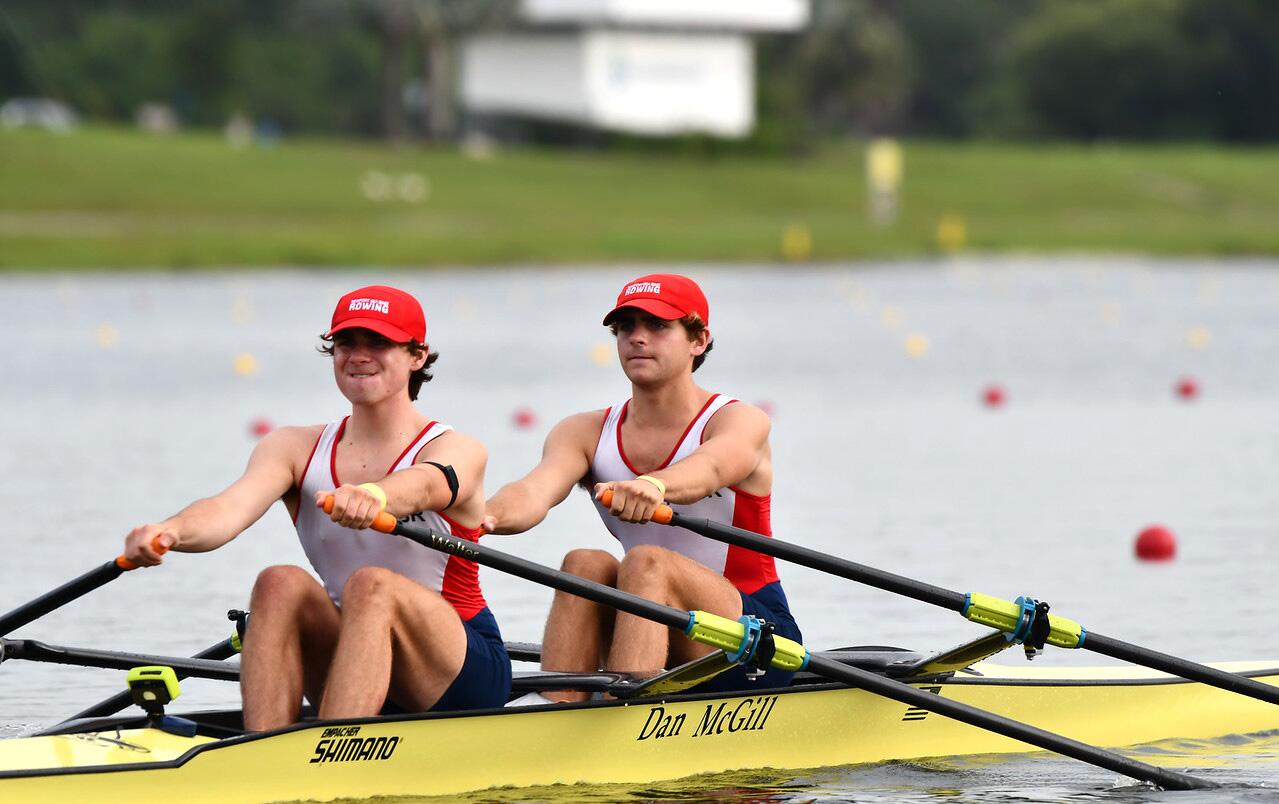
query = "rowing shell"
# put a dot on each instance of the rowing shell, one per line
(808, 725)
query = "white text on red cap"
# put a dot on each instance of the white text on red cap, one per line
(643, 287)
(374, 305)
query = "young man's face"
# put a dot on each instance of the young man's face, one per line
(652, 349)
(369, 367)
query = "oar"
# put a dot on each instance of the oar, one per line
(518, 651)
(217, 652)
(1011, 618)
(70, 590)
(35, 651)
(733, 636)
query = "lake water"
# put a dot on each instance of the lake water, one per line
(125, 396)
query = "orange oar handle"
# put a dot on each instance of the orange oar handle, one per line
(383, 521)
(661, 516)
(125, 564)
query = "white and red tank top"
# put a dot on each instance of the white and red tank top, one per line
(745, 569)
(335, 552)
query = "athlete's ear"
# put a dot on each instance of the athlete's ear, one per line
(700, 343)
(419, 359)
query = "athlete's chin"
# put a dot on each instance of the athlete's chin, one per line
(642, 370)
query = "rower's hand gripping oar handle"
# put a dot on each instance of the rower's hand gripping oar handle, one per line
(662, 516)
(383, 521)
(126, 565)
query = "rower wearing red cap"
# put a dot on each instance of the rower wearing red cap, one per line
(390, 622)
(705, 454)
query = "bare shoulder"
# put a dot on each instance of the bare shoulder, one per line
(453, 443)
(580, 429)
(293, 441)
(739, 417)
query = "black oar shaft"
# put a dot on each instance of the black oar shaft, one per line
(62, 595)
(896, 690)
(889, 582)
(1173, 665)
(109, 706)
(531, 571)
(33, 650)
(956, 601)
(913, 696)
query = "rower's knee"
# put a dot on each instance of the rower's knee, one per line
(280, 585)
(367, 586)
(643, 567)
(593, 565)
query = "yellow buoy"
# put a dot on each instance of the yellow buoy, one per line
(797, 243)
(106, 335)
(241, 311)
(917, 345)
(891, 316)
(245, 364)
(1197, 337)
(1111, 312)
(602, 353)
(883, 179)
(952, 233)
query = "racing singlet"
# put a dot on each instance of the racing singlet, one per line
(335, 552)
(745, 569)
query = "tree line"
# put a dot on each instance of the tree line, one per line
(999, 69)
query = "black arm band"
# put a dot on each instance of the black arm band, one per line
(451, 477)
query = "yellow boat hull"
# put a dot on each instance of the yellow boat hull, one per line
(622, 742)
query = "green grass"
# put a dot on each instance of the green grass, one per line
(108, 197)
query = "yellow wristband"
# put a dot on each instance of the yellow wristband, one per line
(376, 491)
(661, 487)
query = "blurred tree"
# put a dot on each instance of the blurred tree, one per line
(15, 70)
(958, 48)
(118, 61)
(1236, 62)
(203, 37)
(1108, 68)
(854, 64)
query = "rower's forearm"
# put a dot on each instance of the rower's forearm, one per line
(203, 525)
(409, 491)
(692, 479)
(515, 509)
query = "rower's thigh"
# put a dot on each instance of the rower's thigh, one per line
(428, 640)
(678, 580)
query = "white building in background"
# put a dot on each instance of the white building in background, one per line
(655, 67)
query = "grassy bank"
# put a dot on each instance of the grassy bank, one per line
(117, 198)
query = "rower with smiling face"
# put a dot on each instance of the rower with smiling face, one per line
(704, 453)
(392, 621)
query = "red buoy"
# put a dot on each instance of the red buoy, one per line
(523, 418)
(260, 427)
(1156, 543)
(768, 407)
(1187, 388)
(994, 396)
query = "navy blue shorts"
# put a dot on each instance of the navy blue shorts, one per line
(767, 603)
(485, 679)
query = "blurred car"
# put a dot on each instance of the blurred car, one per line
(45, 113)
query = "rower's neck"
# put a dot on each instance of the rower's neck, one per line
(391, 419)
(671, 404)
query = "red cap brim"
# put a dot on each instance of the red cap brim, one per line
(379, 326)
(657, 307)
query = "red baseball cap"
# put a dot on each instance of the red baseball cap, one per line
(390, 312)
(667, 296)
